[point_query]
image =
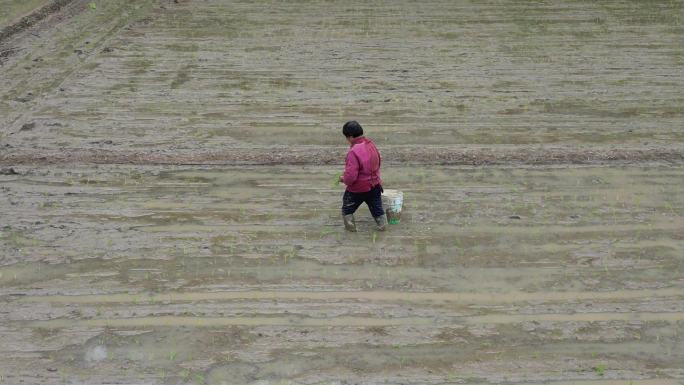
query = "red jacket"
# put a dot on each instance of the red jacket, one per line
(362, 168)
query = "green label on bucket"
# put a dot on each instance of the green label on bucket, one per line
(393, 221)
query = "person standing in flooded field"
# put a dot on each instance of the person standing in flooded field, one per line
(362, 177)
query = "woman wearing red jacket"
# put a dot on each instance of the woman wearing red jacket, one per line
(362, 177)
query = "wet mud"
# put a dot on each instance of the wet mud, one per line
(19, 16)
(185, 81)
(186, 274)
(439, 155)
(167, 216)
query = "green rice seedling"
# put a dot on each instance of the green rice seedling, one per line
(336, 181)
(600, 369)
(185, 374)
(669, 206)
(289, 254)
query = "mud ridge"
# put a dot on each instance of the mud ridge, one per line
(542, 155)
(419, 297)
(33, 18)
(167, 320)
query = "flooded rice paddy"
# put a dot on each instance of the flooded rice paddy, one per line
(168, 213)
(185, 274)
(212, 75)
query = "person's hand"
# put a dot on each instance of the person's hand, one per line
(341, 178)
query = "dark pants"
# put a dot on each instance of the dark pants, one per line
(351, 201)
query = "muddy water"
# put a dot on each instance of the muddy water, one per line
(217, 275)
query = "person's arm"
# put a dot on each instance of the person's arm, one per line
(351, 169)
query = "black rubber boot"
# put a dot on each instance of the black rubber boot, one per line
(381, 222)
(349, 222)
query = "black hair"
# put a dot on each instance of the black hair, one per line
(352, 128)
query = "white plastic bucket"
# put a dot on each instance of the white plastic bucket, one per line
(392, 200)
